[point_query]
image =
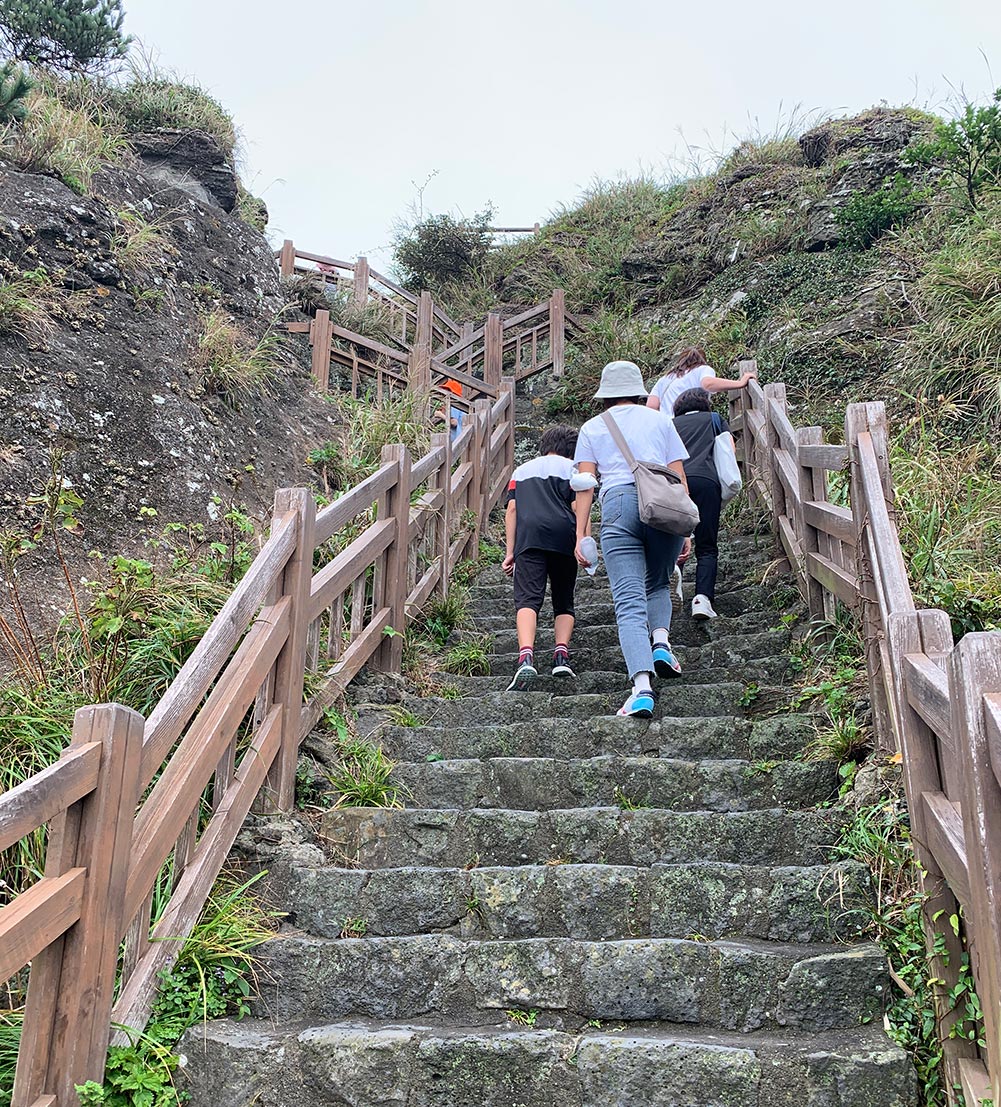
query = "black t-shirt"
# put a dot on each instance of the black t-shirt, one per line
(545, 520)
(698, 430)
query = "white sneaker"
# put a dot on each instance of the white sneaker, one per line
(676, 585)
(702, 608)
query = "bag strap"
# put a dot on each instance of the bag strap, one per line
(619, 439)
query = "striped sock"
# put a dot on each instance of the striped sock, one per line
(561, 655)
(526, 655)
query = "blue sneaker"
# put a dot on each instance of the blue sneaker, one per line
(640, 705)
(665, 664)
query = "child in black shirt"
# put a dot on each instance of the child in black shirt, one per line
(541, 535)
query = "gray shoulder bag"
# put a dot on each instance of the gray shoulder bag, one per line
(663, 502)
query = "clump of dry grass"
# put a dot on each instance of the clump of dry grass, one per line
(234, 365)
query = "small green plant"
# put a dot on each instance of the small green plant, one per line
(27, 303)
(363, 777)
(353, 928)
(469, 658)
(626, 802)
(523, 1018)
(235, 366)
(399, 715)
(761, 768)
(864, 216)
(967, 148)
(750, 694)
(139, 244)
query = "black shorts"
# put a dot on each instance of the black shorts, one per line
(531, 570)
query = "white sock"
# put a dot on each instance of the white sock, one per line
(641, 683)
(660, 636)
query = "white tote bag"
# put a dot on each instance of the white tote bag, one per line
(725, 462)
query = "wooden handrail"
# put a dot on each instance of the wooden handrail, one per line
(937, 703)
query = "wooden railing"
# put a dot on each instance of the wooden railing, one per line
(432, 348)
(137, 808)
(936, 702)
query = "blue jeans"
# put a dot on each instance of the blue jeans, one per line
(640, 562)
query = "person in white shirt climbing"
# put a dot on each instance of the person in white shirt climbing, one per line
(690, 372)
(639, 559)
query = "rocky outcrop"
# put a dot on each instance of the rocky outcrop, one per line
(192, 161)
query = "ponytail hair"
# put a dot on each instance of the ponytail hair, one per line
(688, 359)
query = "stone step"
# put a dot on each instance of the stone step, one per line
(740, 986)
(604, 634)
(380, 838)
(696, 665)
(675, 699)
(363, 1063)
(818, 903)
(692, 738)
(539, 784)
(611, 680)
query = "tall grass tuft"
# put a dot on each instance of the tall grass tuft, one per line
(234, 365)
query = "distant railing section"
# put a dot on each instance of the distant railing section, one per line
(142, 808)
(432, 347)
(938, 704)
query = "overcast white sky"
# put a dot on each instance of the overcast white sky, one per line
(344, 106)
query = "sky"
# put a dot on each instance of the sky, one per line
(355, 115)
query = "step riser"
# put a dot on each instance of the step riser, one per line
(690, 738)
(611, 682)
(724, 985)
(587, 902)
(592, 668)
(422, 1067)
(604, 634)
(541, 784)
(380, 839)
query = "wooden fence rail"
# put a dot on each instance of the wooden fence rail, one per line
(935, 702)
(147, 810)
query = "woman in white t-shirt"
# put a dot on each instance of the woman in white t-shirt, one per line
(639, 559)
(690, 372)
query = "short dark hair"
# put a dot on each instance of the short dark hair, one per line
(693, 399)
(560, 440)
(613, 400)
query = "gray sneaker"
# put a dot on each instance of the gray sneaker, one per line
(524, 677)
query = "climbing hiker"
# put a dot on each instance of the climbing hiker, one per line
(541, 534)
(454, 416)
(698, 427)
(691, 371)
(639, 559)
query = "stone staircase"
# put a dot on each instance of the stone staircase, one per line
(576, 910)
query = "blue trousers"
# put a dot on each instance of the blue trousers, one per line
(640, 562)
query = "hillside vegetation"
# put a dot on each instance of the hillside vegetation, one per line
(855, 261)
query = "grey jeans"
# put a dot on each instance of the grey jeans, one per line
(640, 562)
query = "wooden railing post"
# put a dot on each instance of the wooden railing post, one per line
(278, 793)
(493, 349)
(420, 354)
(774, 393)
(557, 330)
(929, 632)
(807, 535)
(974, 674)
(389, 656)
(442, 480)
(507, 385)
(320, 333)
(858, 419)
(67, 1020)
(286, 259)
(479, 448)
(360, 291)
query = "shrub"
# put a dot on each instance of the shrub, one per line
(866, 215)
(72, 36)
(64, 141)
(15, 85)
(967, 148)
(233, 365)
(440, 249)
(152, 98)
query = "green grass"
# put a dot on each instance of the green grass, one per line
(469, 658)
(27, 303)
(234, 365)
(363, 777)
(140, 244)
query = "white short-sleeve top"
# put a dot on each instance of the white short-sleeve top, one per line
(669, 388)
(650, 438)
